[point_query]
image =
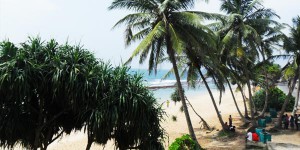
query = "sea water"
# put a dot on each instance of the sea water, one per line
(158, 81)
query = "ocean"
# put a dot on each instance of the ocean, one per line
(163, 94)
(159, 84)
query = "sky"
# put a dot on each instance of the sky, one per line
(90, 23)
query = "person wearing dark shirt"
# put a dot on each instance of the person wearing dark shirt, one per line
(286, 121)
(292, 121)
(296, 121)
(230, 121)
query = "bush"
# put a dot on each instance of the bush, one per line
(175, 97)
(276, 99)
(183, 143)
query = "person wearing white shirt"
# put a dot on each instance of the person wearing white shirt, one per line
(249, 136)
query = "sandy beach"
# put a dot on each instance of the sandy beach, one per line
(203, 105)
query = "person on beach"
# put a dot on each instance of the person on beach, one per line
(230, 121)
(286, 121)
(255, 137)
(249, 136)
(283, 121)
(292, 121)
(296, 121)
(232, 128)
(168, 103)
(226, 126)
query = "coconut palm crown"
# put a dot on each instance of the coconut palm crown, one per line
(164, 27)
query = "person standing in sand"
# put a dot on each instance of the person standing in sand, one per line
(292, 121)
(296, 121)
(286, 121)
(230, 121)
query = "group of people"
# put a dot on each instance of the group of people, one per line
(230, 127)
(291, 121)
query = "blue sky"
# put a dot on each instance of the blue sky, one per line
(89, 23)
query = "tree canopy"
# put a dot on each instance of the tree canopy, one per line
(47, 89)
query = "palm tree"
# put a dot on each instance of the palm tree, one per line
(164, 26)
(244, 15)
(292, 45)
(194, 62)
(270, 35)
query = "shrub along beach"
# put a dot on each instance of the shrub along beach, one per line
(225, 89)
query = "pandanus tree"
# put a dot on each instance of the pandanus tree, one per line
(126, 112)
(292, 71)
(164, 26)
(48, 89)
(36, 107)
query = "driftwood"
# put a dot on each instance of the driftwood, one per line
(203, 123)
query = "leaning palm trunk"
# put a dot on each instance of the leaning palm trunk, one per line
(204, 123)
(180, 90)
(244, 100)
(297, 97)
(213, 100)
(234, 100)
(251, 102)
(262, 114)
(291, 89)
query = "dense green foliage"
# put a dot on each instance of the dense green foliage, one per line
(273, 74)
(47, 89)
(175, 95)
(183, 143)
(276, 99)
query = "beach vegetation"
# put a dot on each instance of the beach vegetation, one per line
(174, 118)
(292, 69)
(185, 142)
(276, 99)
(47, 90)
(225, 133)
(241, 38)
(175, 95)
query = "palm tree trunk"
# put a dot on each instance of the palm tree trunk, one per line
(244, 100)
(205, 124)
(180, 90)
(262, 114)
(251, 103)
(297, 96)
(234, 100)
(213, 100)
(291, 89)
(90, 138)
